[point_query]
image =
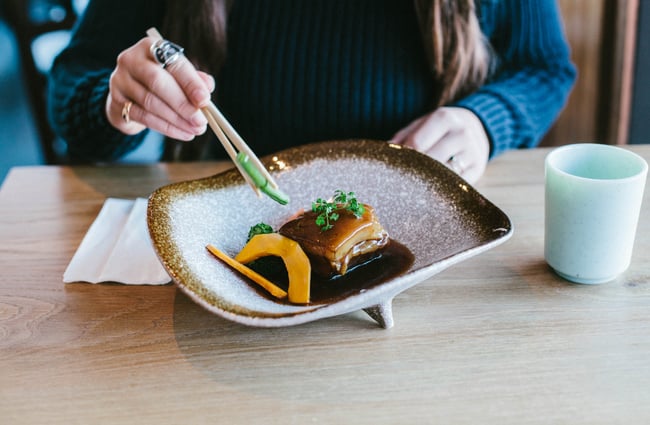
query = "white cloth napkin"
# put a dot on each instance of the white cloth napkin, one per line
(117, 248)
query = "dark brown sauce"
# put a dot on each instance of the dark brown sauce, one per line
(394, 260)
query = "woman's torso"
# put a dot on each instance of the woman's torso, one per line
(299, 71)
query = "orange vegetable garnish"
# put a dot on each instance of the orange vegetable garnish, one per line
(294, 258)
(273, 289)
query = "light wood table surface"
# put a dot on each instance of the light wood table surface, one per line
(497, 339)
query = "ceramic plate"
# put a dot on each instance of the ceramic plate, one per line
(420, 202)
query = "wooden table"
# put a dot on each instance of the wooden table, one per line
(497, 339)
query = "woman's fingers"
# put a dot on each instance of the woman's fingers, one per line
(178, 85)
(189, 81)
(431, 130)
(147, 110)
(162, 125)
(208, 80)
(118, 113)
(151, 105)
(428, 135)
(453, 136)
(401, 136)
(164, 99)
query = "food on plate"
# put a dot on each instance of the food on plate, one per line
(294, 258)
(356, 237)
(271, 287)
(320, 254)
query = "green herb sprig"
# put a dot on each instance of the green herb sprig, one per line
(259, 229)
(327, 210)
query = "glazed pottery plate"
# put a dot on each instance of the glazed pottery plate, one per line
(422, 204)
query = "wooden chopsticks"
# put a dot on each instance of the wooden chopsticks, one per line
(250, 167)
(248, 164)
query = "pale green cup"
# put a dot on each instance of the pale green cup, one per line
(592, 202)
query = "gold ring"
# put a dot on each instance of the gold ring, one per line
(126, 109)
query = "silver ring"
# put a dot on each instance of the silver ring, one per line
(165, 52)
(456, 164)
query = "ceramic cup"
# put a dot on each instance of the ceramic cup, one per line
(592, 203)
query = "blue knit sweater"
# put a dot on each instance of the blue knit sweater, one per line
(299, 71)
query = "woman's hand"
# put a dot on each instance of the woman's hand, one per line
(165, 100)
(452, 135)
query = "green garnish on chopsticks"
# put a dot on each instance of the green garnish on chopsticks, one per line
(261, 182)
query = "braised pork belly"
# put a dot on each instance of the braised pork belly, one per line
(352, 241)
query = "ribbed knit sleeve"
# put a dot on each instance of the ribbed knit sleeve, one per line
(534, 74)
(78, 81)
(80, 119)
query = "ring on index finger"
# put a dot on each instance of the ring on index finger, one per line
(165, 52)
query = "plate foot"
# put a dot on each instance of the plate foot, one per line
(382, 313)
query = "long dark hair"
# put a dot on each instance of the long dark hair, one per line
(457, 50)
(199, 26)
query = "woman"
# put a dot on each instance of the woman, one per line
(458, 82)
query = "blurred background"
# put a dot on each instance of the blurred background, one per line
(610, 42)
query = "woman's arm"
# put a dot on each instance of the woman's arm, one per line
(515, 108)
(534, 73)
(79, 80)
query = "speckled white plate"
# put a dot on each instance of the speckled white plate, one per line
(420, 202)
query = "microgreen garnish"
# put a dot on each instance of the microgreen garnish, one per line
(327, 209)
(259, 229)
